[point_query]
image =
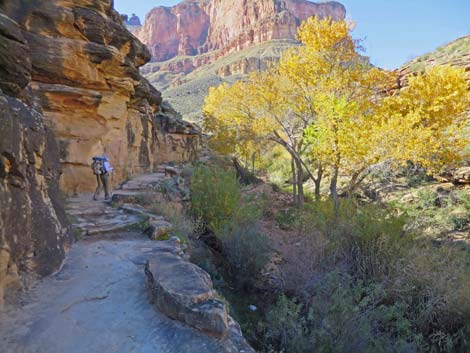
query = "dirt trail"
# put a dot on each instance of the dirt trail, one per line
(98, 302)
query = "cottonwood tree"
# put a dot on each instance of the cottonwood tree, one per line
(340, 91)
(256, 113)
(423, 122)
(325, 102)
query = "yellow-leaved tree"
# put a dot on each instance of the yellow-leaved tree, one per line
(342, 92)
(334, 112)
(258, 112)
(423, 122)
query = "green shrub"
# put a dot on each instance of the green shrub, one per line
(216, 199)
(434, 284)
(461, 197)
(182, 225)
(286, 328)
(288, 218)
(371, 241)
(427, 198)
(342, 316)
(368, 239)
(215, 196)
(460, 221)
(246, 251)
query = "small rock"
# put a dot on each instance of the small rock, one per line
(409, 198)
(445, 188)
(170, 171)
(158, 228)
(461, 175)
(252, 308)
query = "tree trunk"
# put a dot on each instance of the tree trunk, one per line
(243, 174)
(300, 184)
(294, 179)
(356, 180)
(317, 182)
(334, 189)
(253, 158)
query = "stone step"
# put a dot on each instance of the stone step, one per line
(111, 228)
(90, 212)
(116, 219)
(128, 196)
(144, 182)
(135, 210)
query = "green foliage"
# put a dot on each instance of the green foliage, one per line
(182, 225)
(437, 214)
(460, 222)
(462, 197)
(368, 239)
(246, 251)
(426, 287)
(216, 199)
(341, 316)
(215, 196)
(427, 198)
(448, 53)
(288, 218)
(286, 328)
(434, 285)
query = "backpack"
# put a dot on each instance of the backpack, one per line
(98, 165)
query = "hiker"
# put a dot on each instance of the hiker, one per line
(101, 168)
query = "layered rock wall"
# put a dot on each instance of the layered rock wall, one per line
(197, 27)
(200, 43)
(33, 237)
(85, 75)
(70, 88)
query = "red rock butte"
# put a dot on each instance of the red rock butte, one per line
(196, 27)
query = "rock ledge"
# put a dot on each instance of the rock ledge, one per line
(184, 292)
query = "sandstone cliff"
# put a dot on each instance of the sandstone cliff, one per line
(32, 233)
(219, 40)
(70, 88)
(85, 75)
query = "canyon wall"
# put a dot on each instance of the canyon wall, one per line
(197, 27)
(85, 75)
(70, 88)
(198, 44)
(33, 235)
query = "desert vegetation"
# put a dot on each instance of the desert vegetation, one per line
(374, 256)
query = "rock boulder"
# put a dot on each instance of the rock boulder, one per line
(184, 292)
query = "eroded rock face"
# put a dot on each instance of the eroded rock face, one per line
(85, 75)
(197, 27)
(33, 238)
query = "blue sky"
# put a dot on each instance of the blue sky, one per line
(394, 31)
